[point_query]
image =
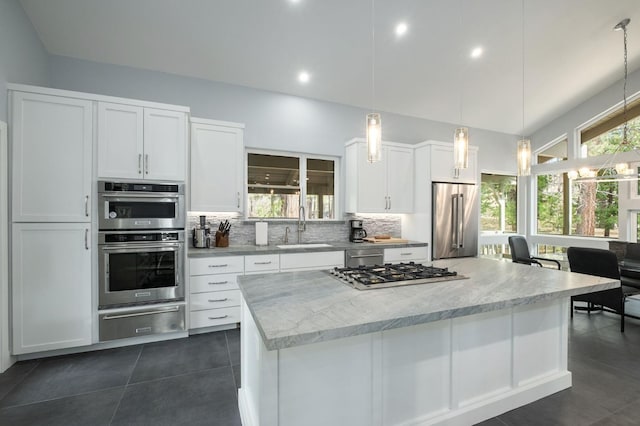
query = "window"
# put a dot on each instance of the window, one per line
(498, 203)
(554, 153)
(277, 183)
(604, 136)
(588, 209)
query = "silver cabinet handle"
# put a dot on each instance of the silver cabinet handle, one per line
(218, 283)
(406, 254)
(362, 256)
(223, 316)
(139, 163)
(86, 239)
(262, 263)
(238, 200)
(219, 266)
(218, 300)
(140, 314)
(146, 163)
(86, 205)
(389, 202)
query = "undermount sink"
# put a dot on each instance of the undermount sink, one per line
(297, 246)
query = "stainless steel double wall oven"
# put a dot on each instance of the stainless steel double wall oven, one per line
(141, 258)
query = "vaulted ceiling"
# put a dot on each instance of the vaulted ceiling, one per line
(570, 50)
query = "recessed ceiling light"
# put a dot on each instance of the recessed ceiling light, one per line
(401, 29)
(304, 77)
(476, 53)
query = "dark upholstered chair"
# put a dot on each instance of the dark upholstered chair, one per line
(630, 266)
(520, 253)
(601, 263)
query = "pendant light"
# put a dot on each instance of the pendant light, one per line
(622, 170)
(373, 120)
(524, 145)
(461, 134)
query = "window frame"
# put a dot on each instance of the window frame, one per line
(302, 163)
(518, 197)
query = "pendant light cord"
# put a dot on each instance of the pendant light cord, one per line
(373, 55)
(522, 60)
(625, 128)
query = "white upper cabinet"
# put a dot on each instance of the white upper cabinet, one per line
(137, 142)
(120, 140)
(165, 144)
(217, 166)
(442, 167)
(382, 187)
(52, 159)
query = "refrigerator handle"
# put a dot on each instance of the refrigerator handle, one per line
(461, 221)
(454, 220)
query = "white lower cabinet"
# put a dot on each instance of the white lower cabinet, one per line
(311, 261)
(214, 297)
(51, 286)
(261, 263)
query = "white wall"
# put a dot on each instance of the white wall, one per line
(22, 56)
(273, 120)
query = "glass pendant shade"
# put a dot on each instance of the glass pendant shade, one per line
(374, 137)
(461, 148)
(524, 157)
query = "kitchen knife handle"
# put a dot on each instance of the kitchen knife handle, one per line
(139, 164)
(146, 163)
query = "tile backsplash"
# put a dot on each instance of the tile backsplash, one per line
(243, 231)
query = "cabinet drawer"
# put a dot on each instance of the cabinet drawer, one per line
(262, 263)
(310, 261)
(216, 265)
(204, 283)
(405, 254)
(214, 317)
(214, 300)
(141, 322)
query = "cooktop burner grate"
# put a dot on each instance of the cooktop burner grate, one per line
(393, 275)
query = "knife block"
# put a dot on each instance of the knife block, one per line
(222, 240)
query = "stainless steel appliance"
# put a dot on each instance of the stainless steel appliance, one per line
(141, 321)
(201, 237)
(392, 275)
(140, 205)
(357, 233)
(455, 220)
(365, 256)
(140, 267)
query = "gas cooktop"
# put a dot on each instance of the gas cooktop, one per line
(392, 275)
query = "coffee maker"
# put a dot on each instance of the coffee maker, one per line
(357, 233)
(202, 234)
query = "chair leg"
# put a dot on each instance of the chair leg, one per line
(571, 307)
(622, 317)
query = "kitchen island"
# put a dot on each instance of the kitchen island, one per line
(315, 351)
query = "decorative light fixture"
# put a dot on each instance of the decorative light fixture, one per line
(622, 170)
(461, 134)
(373, 120)
(524, 145)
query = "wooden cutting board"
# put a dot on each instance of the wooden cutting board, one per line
(386, 240)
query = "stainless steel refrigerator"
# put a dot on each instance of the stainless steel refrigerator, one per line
(455, 220)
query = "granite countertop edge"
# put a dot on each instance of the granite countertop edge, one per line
(276, 343)
(194, 253)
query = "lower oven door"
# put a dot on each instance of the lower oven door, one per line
(141, 322)
(140, 273)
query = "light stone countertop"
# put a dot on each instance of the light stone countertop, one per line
(272, 249)
(297, 308)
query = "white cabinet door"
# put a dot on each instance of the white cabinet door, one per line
(400, 179)
(372, 183)
(120, 141)
(51, 286)
(165, 146)
(216, 167)
(442, 169)
(52, 138)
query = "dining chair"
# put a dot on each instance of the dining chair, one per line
(520, 253)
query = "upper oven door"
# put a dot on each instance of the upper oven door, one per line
(140, 273)
(118, 211)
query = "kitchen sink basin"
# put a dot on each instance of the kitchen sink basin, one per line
(298, 246)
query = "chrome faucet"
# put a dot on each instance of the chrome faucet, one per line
(286, 235)
(302, 223)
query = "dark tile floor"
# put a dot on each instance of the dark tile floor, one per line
(193, 381)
